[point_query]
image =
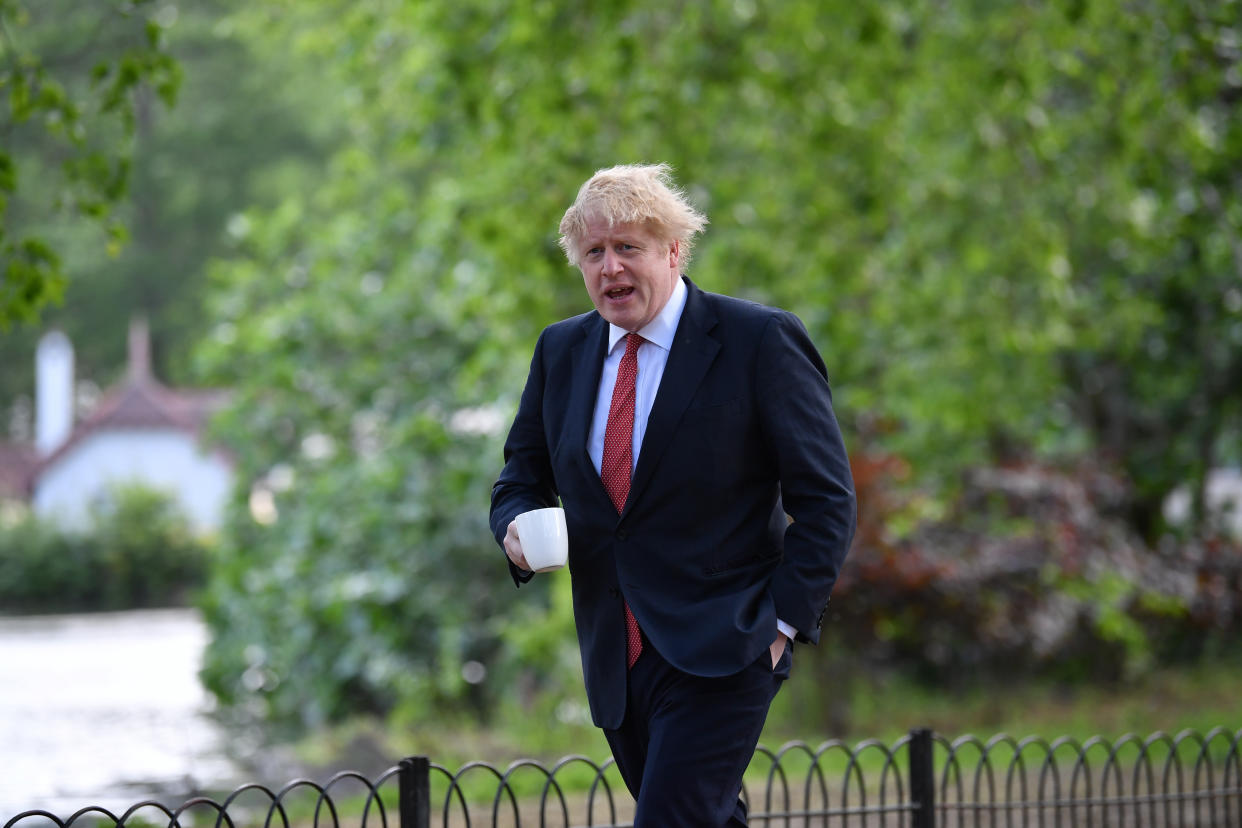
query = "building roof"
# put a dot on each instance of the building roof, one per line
(139, 402)
(17, 465)
(142, 405)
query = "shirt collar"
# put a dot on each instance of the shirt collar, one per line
(659, 331)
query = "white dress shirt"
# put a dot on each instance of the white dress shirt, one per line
(658, 334)
(652, 357)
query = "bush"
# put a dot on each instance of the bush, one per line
(148, 552)
(1033, 571)
(1028, 572)
(44, 569)
(138, 551)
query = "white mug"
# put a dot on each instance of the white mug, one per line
(545, 541)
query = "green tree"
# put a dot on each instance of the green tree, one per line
(247, 131)
(73, 88)
(1151, 229)
(939, 189)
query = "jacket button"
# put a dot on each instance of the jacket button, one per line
(613, 592)
(622, 534)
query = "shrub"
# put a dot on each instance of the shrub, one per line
(1032, 570)
(44, 569)
(148, 552)
(138, 551)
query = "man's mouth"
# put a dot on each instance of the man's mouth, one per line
(619, 292)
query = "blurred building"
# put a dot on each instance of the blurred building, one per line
(17, 463)
(141, 432)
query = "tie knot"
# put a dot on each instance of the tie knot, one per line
(632, 342)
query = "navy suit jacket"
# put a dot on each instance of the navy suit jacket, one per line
(741, 509)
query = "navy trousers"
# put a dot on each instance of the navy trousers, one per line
(686, 740)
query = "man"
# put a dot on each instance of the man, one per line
(691, 440)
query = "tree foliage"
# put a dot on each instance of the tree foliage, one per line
(1010, 227)
(72, 85)
(244, 133)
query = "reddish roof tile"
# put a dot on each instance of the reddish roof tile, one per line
(17, 464)
(142, 402)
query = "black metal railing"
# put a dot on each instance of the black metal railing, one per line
(923, 780)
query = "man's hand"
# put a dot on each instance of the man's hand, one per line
(513, 548)
(776, 650)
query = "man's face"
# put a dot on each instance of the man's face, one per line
(629, 272)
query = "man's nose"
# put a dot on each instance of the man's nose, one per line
(612, 263)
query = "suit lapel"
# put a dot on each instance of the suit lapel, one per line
(587, 363)
(692, 354)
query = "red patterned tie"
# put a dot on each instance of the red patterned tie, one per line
(619, 460)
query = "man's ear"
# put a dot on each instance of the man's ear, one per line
(674, 253)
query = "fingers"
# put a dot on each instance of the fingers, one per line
(778, 648)
(513, 547)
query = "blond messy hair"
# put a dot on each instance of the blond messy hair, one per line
(633, 194)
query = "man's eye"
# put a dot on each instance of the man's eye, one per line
(595, 251)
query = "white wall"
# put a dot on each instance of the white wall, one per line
(169, 460)
(53, 392)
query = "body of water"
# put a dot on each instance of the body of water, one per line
(106, 709)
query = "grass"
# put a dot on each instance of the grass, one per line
(1201, 697)
(1198, 697)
